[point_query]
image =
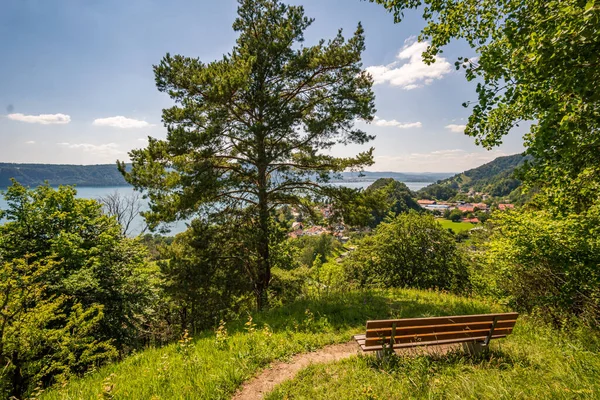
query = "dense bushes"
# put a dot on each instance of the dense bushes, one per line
(539, 263)
(306, 249)
(73, 289)
(204, 278)
(410, 250)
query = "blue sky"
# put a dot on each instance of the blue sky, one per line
(77, 87)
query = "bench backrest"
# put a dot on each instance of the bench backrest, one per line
(411, 332)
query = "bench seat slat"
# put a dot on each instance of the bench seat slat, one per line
(457, 319)
(413, 332)
(436, 336)
(431, 343)
(409, 330)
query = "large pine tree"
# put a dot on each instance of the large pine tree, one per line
(251, 131)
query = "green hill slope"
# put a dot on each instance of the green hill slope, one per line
(58, 174)
(211, 368)
(495, 178)
(533, 362)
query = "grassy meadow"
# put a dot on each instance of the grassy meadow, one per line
(533, 362)
(213, 365)
(457, 227)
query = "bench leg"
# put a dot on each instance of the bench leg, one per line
(473, 348)
(380, 354)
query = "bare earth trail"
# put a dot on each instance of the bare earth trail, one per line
(280, 371)
(257, 387)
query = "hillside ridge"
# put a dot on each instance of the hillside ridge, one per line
(495, 178)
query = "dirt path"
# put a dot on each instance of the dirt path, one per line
(278, 372)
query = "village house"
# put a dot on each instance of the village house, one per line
(424, 203)
(297, 225)
(481, 206)
(466, 207)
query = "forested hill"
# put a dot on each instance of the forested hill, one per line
(58, 174)
(108, 175)
(495, 178)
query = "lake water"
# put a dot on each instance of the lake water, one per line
(98, 192)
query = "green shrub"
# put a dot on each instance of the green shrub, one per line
(74, 289)
(538, 262)
(288, 285)
(307, 248)
(411, 250)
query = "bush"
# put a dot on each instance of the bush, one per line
(288, 285)
(73, 288)
(205, 278)
(410, 250)
(307, 248)
(541, 263)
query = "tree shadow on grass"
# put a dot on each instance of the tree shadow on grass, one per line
(431, 364)
(352, 309)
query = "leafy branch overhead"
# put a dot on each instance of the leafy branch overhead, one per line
(537, 61)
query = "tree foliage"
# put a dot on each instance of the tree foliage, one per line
(204, 277)
(538, 263)
(247, 131)
(97, 264)
(398, 198)
(410, 250)
(537, 61)
(73, 289)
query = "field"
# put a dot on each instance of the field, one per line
(457, 227)
(533, 362)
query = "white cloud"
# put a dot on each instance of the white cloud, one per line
(456, 128)
(100, 149)
(30, 142)
(400, 125)
(44, 119)
(121, 122)
(413, 73)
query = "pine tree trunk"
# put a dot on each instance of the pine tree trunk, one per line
(264, 261)
(264, 264)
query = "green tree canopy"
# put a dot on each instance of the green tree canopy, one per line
(95, 263)
(248, 131)
(538, 263)
(399, 197)
(410, 250)
(74, 291)
(538, 61)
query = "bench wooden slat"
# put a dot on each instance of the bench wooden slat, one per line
(437, 336)
(409, 330)
(456, 319)
(412, 332)
(431, 343)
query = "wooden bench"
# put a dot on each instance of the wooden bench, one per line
(473, 330)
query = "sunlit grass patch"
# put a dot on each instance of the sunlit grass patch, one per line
(211, 368)
(534, 362)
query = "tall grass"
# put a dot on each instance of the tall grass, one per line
(212, 366)
(535, 362)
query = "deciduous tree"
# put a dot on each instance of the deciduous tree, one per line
(537, 61)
